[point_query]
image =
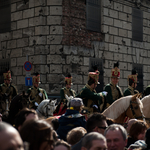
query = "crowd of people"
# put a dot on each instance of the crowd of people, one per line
(78, 122)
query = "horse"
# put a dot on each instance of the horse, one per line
(19, 102)
(146, 108)
(46, 108)
(128, 106)
(4, 108)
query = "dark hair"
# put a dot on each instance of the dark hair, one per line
(35, 132)
(136, 128)
(91, 81)
(94, 120)
(62, 142)
(130, 81)
(21, 116)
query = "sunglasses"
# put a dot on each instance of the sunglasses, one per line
(103, 128)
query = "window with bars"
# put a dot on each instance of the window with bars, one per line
(4, 65)
(93, 15)
(5, 15)
(139, 70)
(137, 24)
(99, 63)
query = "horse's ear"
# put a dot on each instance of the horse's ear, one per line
(134, 96)
(139, 95)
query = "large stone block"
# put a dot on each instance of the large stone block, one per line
(109, 38)
(113, 30)
(85, 61)
(113, 47)
(20, 80)
(13, 26)
(28, 32)
(41, 11)
(56, 49)
(6, 36)
(55, 10)
(126, 41)
(40, 20)
(16, 16)
(21, 61)
(27, 51)
(43, 69)
(118, 23)
(11, 44)
(22, 42)
(38, 59)
(17, 34)
(54, 20)
(56, 30)
(127, 58)
(74, 59)
(77, 78)
(42, 30)
(56, 68)
(117, 56)
(22, 24)
(54, 78)
(28, 13)
(123, 32)
(54, 39)
(16, 52)
(123, 16)
(37, 40)
(126, 25)
(54, 2)
(123, 66)
(13, 7)
(118, 6)
(16, 71)
(108, 21)
(127, 9)
(55, 59)
(41, 49)
(13, 62)
(113, 13)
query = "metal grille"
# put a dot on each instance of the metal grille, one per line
(99, 63)
(4, 64)
(5, 15)
(93, 15)
(139, 69)
(137, 25)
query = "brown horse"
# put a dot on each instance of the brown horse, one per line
(129, 106)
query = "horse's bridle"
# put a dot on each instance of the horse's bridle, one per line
(133, 112)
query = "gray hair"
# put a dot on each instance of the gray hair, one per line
(116, 127)
(88, 139)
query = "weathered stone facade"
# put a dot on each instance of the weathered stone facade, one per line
(53, 34)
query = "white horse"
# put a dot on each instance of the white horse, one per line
(46, 108)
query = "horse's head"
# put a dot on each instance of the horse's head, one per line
(4, 108)
(46, 108)
(135, 108)
(24, 100)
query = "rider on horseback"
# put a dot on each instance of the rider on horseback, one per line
(35, 93)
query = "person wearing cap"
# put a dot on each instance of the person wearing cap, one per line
(132, 79)
(114, 91)
(91, 99)
(71, 119)
(7, 90)
(35, 93)
(66, 93)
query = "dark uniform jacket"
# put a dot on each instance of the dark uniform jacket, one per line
(34, 95)
(147, 90)
(114, 93)
(68, 121)
(69, 92)
(90, 98)
(8, 91)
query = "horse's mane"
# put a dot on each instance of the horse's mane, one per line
(119, 106)
(43, 103)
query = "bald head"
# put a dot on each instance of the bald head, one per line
(9, 137)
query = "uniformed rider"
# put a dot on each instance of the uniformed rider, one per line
(65, 94)
(132, 79)
(91, 99)
(114, 91)
(35, 93)
(7, 90)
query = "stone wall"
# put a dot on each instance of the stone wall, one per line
(52, 35)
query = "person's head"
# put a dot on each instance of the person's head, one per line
(115, 74)
(36, 80)
(116, 137)
(24, 115)
(68, 81)
(138, 130)
(132, 84)
(76, 104)
(96, 122)
(147, 138)
(9, 138)
(133, 79)
(38, 133)
(75, 135)
(114, 80)
(62, 145)
(94, 141)
(129, 124)
(7, 76)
